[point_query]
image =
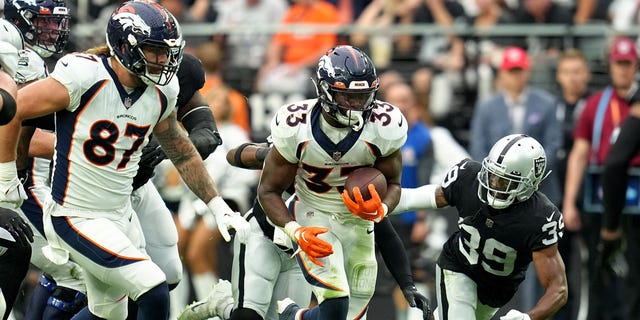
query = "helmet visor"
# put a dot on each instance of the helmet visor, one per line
(52, 32)
(499, 185)
(358, 100)
(161, 62)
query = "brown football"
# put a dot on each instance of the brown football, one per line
(362, 177)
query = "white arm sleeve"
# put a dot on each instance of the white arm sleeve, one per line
(413, 199)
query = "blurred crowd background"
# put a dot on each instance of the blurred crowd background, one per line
(447, 64)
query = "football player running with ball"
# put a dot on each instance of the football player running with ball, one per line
(316, 144)
(505, 224)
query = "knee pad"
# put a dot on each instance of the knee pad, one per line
(67, 300)
(245, 314)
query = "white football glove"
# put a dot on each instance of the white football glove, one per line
(515, 315)
(11, 190)
(226, 218)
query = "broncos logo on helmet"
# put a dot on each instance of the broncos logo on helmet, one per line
(137, 26)
(132, 21)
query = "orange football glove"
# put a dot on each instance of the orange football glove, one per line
(308, 241)
(372, 209)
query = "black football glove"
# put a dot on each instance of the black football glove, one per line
(610, 257)
(152, 155)
(18, 228)
(417, 300)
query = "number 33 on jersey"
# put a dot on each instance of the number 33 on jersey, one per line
(325, 165)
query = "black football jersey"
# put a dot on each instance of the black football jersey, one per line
(191, 78)
(494, 247)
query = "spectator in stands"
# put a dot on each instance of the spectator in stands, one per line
(623, 156)
(442, 55)
(212, 59)
(548, 12)
(246, 51)
(381, 14)
(291, 56)
(518, 108)
(593, 137)
(350, 10)
(573, 75)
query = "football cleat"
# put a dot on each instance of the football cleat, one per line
(218, 303)
(289, 310)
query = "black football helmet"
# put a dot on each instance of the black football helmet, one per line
(139, 26)
(347, 83)
(43, 23)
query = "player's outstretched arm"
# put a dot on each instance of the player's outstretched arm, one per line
(179, 149)
(40, 98)
(248, 155)
(396, 260)
(429, 196)
(551, 273)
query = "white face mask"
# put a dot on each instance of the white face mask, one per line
(498, 203)
(353, 119)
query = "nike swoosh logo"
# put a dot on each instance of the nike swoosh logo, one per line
(401, 120)
(551, 216)
(369, 231)
(64, 63)
(464, 165)
(277, 122)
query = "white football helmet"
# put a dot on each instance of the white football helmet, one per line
(512, 171)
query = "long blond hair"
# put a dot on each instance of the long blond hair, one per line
(100, 50)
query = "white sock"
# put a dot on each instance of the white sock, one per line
(203, 283)
(178, 296)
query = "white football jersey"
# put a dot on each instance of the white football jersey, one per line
(100, 135)
(323, 166)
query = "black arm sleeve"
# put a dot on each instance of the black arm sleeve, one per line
(202, 130)
(614, 178)
(8, 107)
(393, 253)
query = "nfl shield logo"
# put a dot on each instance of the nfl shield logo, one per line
(538, 166)
(128, 102)
(488, 223)
(337, 155)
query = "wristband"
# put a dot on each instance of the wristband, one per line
(8, 170)
(290, 229)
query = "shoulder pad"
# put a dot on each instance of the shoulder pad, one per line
(290, 118)
(191, 71)
(385, 117)
(8, 58)
(81, 66)
(30, 67)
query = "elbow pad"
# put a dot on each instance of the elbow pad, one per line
(8, 110)
(202, 129)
